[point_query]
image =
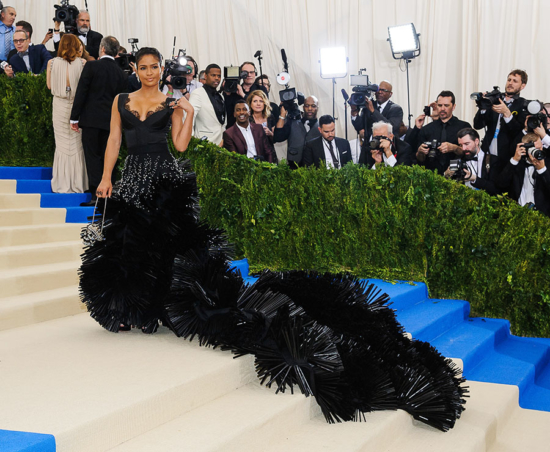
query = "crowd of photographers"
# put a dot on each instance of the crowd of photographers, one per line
(234, 111)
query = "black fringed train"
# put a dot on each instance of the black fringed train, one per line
(331, 336)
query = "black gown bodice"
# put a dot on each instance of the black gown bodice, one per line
(149, 158)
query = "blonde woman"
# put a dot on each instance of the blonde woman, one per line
(260, 112)
(63, 74)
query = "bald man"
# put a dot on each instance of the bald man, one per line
(383, 109)
(298, 131)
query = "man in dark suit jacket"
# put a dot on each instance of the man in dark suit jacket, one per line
(247, 138)
(536, 189)
(482, 169)
(99, 84)
(327, 149)
(390, 151)
(509, 116)
(91, 39)
(381, 110)
(28, 58)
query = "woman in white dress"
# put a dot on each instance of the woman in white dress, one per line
(69, 166)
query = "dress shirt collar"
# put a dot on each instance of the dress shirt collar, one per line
(107, 56)
(243, 129)
(4, 27)
(381, 107)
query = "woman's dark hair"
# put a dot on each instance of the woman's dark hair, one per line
(148, 51)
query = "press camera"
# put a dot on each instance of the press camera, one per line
(362, 89)
(177, 68)
(67, 14)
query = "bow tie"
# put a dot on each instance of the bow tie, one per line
(82, 34)
(22, 54)
(473, 159)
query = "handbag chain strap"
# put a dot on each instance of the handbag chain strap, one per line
(103, 217)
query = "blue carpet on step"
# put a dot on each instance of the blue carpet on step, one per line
(11, 441)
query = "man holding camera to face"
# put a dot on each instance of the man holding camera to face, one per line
(476, 169)
(525, 177)
(440, 138)
(91, 39)
(503, 115)
(383, 149)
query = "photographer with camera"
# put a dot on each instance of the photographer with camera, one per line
(440, 138)
(247, 73)
(191, 83)
(297, 131)
(383, 109)
(502, 114)
(525, 177)
(385, 149)
(475, 168)
(79, 27)
(209, 118)
(248, 138)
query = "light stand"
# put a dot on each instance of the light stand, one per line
(405, 45)
(258, 55)
(334, 64)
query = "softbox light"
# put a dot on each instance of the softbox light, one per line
(334, 62)
(404, 41)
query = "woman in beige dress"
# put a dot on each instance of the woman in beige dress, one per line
(69, 167)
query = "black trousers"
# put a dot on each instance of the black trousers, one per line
(94, 142)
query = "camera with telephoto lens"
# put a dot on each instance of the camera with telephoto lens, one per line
(232, 76)
(67, 14)
(124, 59)
(459, 168)
(177, 69)
(538, 117)
(291, 100)
(362, 89)
(432, 146)
(537, 154)
(486, 102)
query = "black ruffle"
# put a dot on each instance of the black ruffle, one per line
(331, 336)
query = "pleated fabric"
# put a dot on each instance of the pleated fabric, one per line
(69, 166)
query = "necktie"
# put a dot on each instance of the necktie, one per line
(380, 108)
(7, 43)
(443, 138)
(333, 155)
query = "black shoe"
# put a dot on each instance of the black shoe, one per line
(88, 204)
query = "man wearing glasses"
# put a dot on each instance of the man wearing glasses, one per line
(383, 109)
(248, 85)
(28, 58)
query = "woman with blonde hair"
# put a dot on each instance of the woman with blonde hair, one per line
(63, 74)
(260, 112)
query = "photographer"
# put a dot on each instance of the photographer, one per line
(503, 121)
(439, 139)
(247, 138)
(243, 90)
(476, 169)
(381, 110)
(384, 149)
(298, 131)
(91, 39)
(191, 85)
(7, 29)
(525, 177)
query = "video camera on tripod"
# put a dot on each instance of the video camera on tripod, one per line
(67, 14)
(362, 89)
(290, 98)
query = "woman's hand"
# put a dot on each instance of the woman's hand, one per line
(182, 104)
(105, 189)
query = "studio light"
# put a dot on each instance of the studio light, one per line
(404, 41)
(405, 45)
(334, 63)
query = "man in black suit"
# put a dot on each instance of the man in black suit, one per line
(99, 84)
(385, 149)
(327, 149)
(91, 39)
(381, 110)
(525, 178)
(503, 122)
(482, 169)
(247, 138)
(443, 134)
(28, 58)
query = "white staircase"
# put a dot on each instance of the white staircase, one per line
(62, 374)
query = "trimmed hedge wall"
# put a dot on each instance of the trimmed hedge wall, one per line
(392, 223)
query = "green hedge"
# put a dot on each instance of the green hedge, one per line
(26, 132)
(392, 223)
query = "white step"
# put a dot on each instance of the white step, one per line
(38, 307)
(26, 235)
(19, 201)
(8, 186)
(25, 217)
(93, 389)
(39, 254)
(36, 278)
